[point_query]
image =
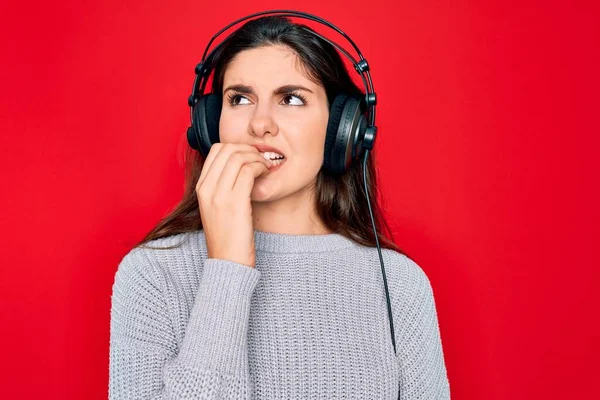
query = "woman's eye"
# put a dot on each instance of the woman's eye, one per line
(298, 101)
(288, 99)
(238, 97)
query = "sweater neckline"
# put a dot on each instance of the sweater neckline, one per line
(305, 243)
(287, 243)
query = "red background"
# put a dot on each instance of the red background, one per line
(488, 117)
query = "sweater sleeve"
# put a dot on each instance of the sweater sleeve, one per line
(145, 362)
(423, 372)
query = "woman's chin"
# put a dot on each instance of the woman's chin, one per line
(262, 191)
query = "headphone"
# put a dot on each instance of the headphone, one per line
(351, 129)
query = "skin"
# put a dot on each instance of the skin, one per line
(282, 201)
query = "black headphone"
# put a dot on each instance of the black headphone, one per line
(351, 127)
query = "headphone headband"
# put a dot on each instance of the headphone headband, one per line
(204, 67)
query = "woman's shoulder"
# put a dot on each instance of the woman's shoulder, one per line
(406, 267)
(156, 258)
(406, 278)
(400, 264)
(165, 247)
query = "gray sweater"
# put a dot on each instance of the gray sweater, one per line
(310, 321)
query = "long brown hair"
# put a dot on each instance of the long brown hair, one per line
(341, 201)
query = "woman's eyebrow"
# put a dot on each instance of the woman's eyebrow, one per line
(244, 89)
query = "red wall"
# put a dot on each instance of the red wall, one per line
(488, 119)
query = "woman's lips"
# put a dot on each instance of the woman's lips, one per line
(264, 148)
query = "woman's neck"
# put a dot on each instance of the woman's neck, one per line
(287, 216)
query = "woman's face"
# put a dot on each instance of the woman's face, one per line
(268, 100)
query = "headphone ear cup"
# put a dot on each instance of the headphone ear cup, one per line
(335, 115)
(345, 132)
(205, 128)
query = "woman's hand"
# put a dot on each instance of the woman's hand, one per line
(223, 191)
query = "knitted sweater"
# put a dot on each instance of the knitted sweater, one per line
(309, 321)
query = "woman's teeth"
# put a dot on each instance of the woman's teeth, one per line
(277, 162)
(275, 158)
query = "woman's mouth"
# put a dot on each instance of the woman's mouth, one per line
(275, 158)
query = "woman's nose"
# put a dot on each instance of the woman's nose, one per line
(262, 121)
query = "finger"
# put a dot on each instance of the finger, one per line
(232, 169)
(245, 180)
(219, 153)
(231, 153)
(213, 152)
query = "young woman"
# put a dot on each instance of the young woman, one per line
(265, 281)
